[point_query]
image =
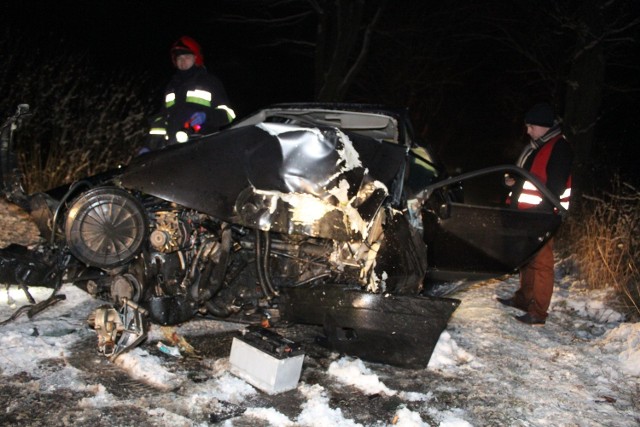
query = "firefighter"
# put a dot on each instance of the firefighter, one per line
(548, 157)
(195, 101)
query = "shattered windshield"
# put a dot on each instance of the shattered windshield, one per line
(377, 126)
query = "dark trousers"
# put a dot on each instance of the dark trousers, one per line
(536, 282)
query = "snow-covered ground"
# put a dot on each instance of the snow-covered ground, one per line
(581, 369)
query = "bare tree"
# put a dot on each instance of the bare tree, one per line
(416, 61)
(339, 45)
(343, 39)
(599, 30)
(566, 50)
(82, 121)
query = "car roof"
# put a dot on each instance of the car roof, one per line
(375, 121)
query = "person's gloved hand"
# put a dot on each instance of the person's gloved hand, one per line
(509, 181)
(196, 121)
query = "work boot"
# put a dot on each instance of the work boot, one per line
(530, 319)
(510, 302)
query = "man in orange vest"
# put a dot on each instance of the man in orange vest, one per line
(548, 156)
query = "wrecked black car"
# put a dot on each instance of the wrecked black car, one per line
(323, 214)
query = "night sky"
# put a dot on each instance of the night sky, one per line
(134, 36)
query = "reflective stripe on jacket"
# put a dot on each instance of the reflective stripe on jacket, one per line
(530, 196)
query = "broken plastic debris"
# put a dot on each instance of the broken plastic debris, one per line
(171, 351)
(180, 342)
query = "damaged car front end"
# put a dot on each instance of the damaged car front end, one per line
(329, 215)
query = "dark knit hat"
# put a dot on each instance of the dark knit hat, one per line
(541, 115)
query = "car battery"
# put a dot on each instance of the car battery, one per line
(266, 360)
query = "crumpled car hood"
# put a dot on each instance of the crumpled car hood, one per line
(319, 182)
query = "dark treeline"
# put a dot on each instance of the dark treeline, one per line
(467, 70)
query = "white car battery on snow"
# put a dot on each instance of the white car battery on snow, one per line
(266, 360)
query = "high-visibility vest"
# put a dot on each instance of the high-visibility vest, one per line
(530, 196)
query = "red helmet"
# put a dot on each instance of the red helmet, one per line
(186, 44)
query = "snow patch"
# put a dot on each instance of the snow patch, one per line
(594, 309)
(101, 399)
(231, 389)
(450, 418)
(447, 353)
(164, 417)
(353, 372)
(316, 411)
(405, 417)
(148, 368)
(270, 415)
(25, 343)
(625, 339)
(486, 369)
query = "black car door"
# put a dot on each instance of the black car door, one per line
(470, 230)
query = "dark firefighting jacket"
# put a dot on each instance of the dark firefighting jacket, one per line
(194, 102)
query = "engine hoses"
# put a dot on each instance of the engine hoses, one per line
(262, 265)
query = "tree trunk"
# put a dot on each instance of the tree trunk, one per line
(583, 100)
(343, 38)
